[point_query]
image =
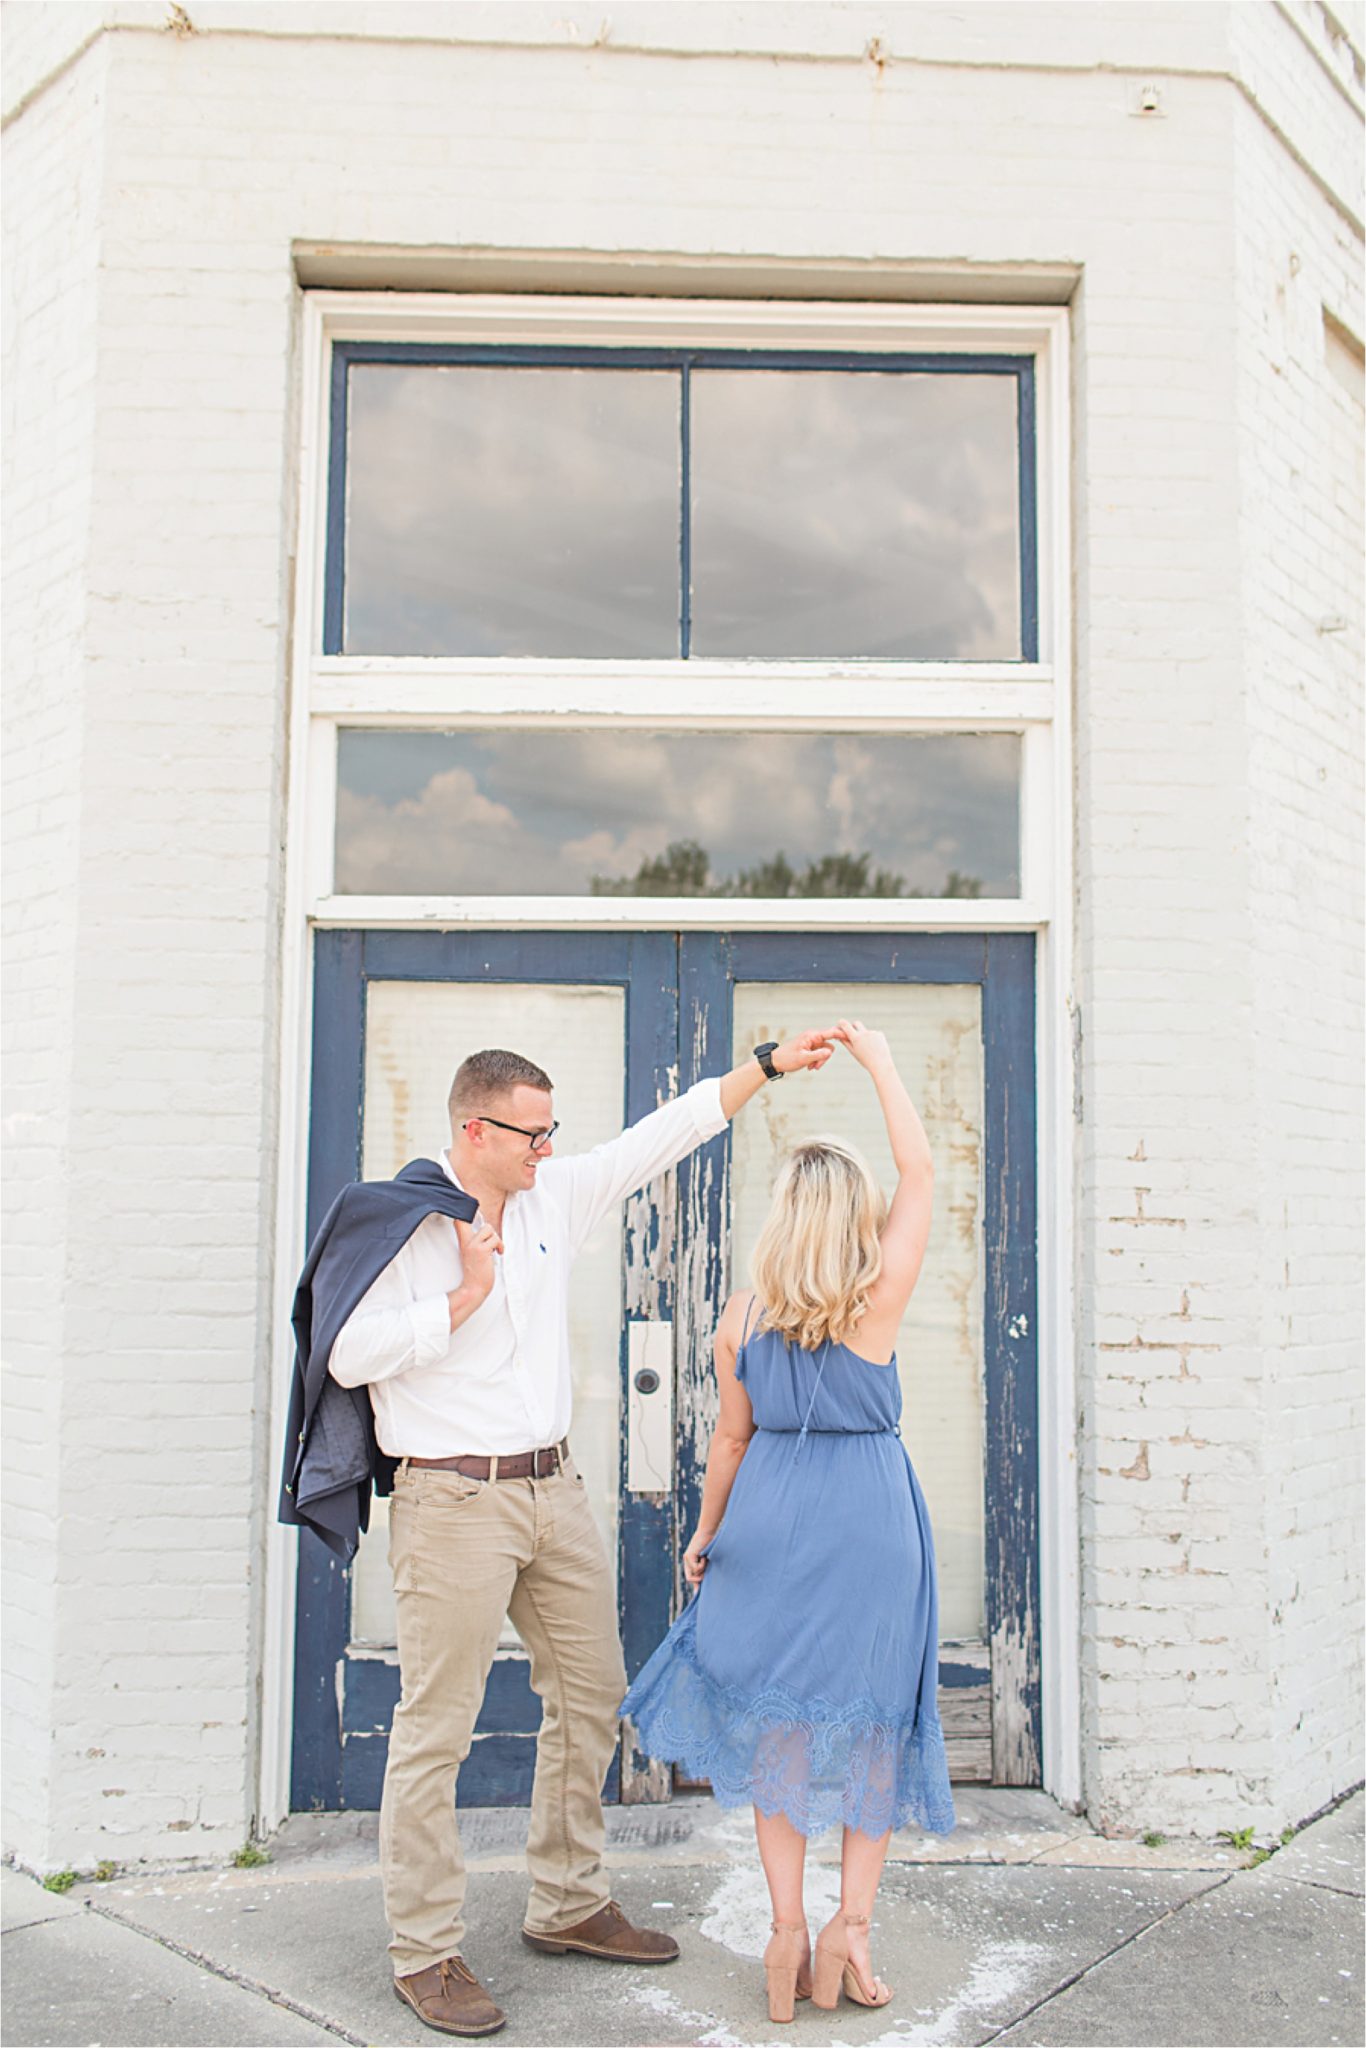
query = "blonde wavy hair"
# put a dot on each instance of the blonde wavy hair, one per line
(820, 1250)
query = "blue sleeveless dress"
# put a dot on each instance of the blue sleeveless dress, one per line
(802, 1676)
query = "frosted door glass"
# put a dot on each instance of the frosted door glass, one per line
(936, 1036)
(416, 1034)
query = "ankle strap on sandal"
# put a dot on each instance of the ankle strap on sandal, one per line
(854, 1919)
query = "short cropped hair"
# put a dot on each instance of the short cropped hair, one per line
(486, 1077)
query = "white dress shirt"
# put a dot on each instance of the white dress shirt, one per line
(501, 1383)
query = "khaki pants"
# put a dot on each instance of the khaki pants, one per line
(465, 1553)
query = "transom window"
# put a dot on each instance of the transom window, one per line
(709, 612)
(628, 504)
(735, 815)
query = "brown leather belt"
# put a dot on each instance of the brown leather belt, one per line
(521, 1464)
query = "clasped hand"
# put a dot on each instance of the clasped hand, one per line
(479, 1245)
(694, 1564)
(809, 1050)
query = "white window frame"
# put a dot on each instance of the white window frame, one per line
(1033, 699)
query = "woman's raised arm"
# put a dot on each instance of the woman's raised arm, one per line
(907, 1229)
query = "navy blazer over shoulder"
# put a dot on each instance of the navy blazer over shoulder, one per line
(332, 1460)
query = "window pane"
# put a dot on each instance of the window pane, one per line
(502, 511)
(744, 814)
(936, 1035)
(855, 513)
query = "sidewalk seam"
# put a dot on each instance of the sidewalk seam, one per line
(1320, 1884)
(231, 1976)
(1066, 1985)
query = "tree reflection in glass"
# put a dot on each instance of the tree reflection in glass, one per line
(608, 812)
(684, 869)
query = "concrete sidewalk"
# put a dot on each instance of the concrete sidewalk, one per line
(1022, 1927)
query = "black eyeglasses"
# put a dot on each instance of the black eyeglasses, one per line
(539, 1139)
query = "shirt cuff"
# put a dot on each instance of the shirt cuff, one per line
(431, 1320)
(704, 1098)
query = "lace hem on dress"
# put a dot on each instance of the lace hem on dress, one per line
(814, 1762)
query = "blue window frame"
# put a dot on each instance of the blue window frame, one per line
(685, 363)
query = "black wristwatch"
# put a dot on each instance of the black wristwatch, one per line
(764, 1055)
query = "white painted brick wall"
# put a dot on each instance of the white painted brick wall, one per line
(1213, 1144)
(1303, 644)
(50, 318)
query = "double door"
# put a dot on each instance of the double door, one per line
(621, 1021)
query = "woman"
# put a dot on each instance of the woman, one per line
(802, 1678)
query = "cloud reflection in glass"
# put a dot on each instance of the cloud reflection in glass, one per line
(857, 514)
(602, 811)
(504, 511)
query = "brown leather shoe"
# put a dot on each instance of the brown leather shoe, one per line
(610, 1935)
(449, 1997)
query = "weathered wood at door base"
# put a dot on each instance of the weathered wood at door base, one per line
(644, 1781)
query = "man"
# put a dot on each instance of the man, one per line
(463, 1342)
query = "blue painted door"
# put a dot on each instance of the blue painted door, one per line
(683, 996)
(990, 1697)
(345, 1687)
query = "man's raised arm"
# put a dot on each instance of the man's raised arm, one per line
(593, 1182)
